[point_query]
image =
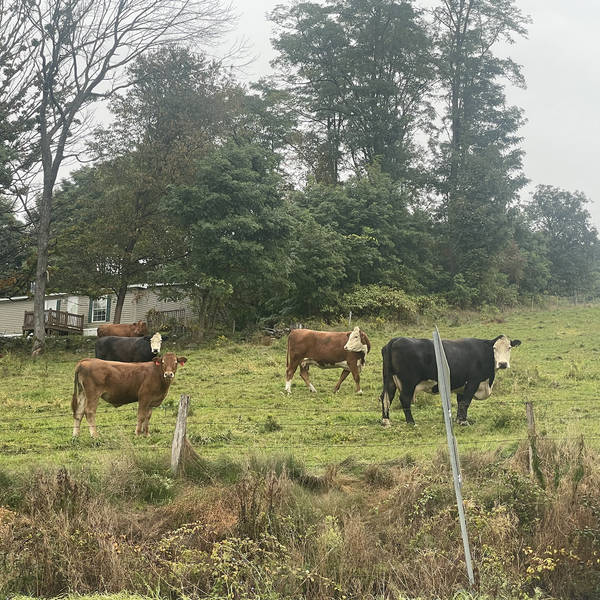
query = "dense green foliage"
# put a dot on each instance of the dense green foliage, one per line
(335, 183)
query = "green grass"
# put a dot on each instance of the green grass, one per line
(239, 405)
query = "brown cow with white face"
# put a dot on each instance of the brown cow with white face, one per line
(327, 350)
(138, 329)
(119, 383)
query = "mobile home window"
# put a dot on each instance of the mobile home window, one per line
(99, 310)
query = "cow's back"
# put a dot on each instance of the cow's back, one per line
(123, 349)
(121, 330)
(117, 382)
(411, 358)
(325, 346)
(414, 358)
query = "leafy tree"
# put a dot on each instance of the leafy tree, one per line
(572, 247)
(318, 257)
(234, 231)
(110, 231)
(172, 112)
(79, 48)
(15, 265)
(383, 240)
(361, 71)
(479, 165)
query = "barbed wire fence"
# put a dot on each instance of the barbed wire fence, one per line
(213, 436)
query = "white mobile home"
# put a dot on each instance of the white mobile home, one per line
(84, 313)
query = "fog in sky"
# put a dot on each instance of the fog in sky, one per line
(561, 67)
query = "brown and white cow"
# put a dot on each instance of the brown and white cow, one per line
(138, 329)
(327, 350)
(121, 383)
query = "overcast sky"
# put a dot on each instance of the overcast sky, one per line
(561, 102)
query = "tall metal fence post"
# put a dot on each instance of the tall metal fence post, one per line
(530, 433)
(444, 386)
(179, 435)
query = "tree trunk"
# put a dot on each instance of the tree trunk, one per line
(120, 301)
(41, 272)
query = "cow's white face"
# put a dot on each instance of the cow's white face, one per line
(155, 343)
(502, 349)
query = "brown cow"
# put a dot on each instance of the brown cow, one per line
(121, 383)
(138, 329)
(326, 350)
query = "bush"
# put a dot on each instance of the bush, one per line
(380, 301)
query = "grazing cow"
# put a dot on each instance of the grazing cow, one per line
(138, 329)
(128, 349)
(409, 365)
(119, 383)
(326, 350)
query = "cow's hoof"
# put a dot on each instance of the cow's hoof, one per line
(386, 423)
(359, 392)
(463, 423)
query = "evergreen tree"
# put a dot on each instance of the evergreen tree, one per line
(480, 165)
(572, 247)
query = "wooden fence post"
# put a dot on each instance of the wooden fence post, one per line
(530, 433)
(179, 435)
(534, 461)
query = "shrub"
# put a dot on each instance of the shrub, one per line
(380, 301)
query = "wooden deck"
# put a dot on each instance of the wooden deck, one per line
(55, 321)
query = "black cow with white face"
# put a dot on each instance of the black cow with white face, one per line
(409, 366)
(129, 349)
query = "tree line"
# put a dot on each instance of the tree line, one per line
(378, 170)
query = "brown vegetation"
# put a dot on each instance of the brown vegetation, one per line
(267, 529)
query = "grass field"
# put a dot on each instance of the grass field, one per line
(307, 496)
(238, 403)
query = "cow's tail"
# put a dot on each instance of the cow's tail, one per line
(387, 393)
(79, 399)
(287, 357)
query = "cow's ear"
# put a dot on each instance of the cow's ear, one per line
(181, 360)
(514, 343)
(157, 361)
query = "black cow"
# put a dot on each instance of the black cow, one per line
(409, 365)
(128, 349)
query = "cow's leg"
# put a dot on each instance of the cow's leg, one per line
(90, 414)
(386, 397)
(343, 376)
(407, 392)
(146, 424)
(141, 419)
(289, 373)
(304, 375)
(355, 370)
(464, 400)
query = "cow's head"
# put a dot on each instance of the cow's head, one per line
(502, 347)
(140, 328)
(365, 340)
(155, 342)
(168, 364)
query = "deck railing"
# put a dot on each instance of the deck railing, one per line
(161, 319)
(56, 320)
